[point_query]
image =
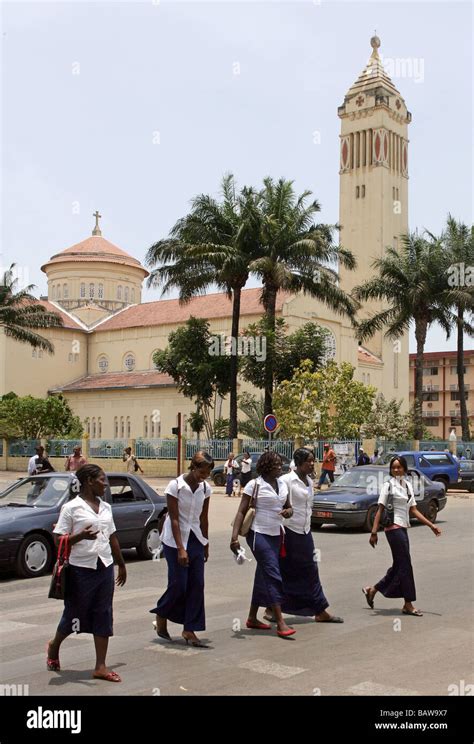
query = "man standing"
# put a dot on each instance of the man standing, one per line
(39, 463)
(132, 463)
(363, 458)
(76, 460)
(328, 466)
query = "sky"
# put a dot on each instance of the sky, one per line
(133, 108)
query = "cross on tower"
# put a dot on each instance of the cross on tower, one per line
(96, 230)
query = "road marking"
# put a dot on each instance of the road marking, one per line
(372, 688)
(261, 666)
(173, 651)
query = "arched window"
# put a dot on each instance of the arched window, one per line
(152, 363)
(94, 429)
(122, 427)
(128, 427)
(116, 427)
(368, 378)
(133, 294)
(119, 292)
(129, 362)
(53, 291)
(59, 292)
(65, 291)
(101, 291)
(91, 290)
(34, 352)
(357, 192)
(126, 294)
(83, 289)
(99, 427)
(145, 427)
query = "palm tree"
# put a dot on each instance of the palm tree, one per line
(458, 242)
(412, 283)
(296, 256)
(20, 313)
(213, 245)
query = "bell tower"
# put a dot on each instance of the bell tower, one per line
(373, 200)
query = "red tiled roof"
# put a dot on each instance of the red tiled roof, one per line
(163, 312)
(68, 322)
(364, 355)
(441, 354)
(118, 380)
(95, 248)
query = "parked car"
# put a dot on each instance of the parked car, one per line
(218, 477)
(466, 471)
(437, 466)
(29, 510)
(352, 500)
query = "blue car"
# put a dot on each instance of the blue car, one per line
(29, 510)
(440, 466)
(352, 500)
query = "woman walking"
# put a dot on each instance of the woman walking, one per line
(399, 580)
(88, 522)
(302, 590)
(186, 549)
(245, 471)
(266, 539)
(229, 469)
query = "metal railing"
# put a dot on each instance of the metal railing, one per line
(62, 447)
(218, 448)
(112, 448)
(22, 447)
(282, 446)
(161, 449)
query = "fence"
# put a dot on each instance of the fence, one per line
(218, 448)
(282, 446)
(346, 449)
(149, 449)
(59, 447)
(22, 447)
(112, 448)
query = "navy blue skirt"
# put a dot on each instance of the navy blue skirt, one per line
(88, 601)
(268, 584)
(399, 580)
(302, 590)
(183, 600)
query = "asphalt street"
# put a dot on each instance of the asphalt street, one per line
(427, 654)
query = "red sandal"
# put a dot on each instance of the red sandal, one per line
(257, 625)
(52, 665)
(286, 633)
(110, 677)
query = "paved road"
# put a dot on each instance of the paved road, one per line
(427, 654)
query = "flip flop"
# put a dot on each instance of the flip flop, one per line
(332, 619)
(110, 677)
(52, 665)
(258, 625)
(416, 613)
(370, 602)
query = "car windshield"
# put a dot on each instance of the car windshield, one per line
(36, 492)
(362, 478)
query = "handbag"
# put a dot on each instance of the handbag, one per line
(250, 513)
(57, 587)
(387, 518)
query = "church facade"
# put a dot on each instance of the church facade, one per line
(103, 354)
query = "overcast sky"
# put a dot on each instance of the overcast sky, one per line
(133, 108)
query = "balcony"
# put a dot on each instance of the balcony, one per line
(457, 413)
(430, 388)
(430, 414)
(456, 387)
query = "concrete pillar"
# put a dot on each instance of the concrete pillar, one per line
(415, 445)
(237, 445)
(85, 446)
(298, 443)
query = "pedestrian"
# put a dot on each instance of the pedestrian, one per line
(374, 457)
(399, 580)
(245, 471)
(230, 468)
(302, 590)
(186, 549)
(265, 539)
(88, 522)
(76, 460)
(363, 458)
(39, 463)
(133, 465)
(328, 466)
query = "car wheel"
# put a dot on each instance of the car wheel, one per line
(34, 556)
(219, 479)
(369, 520)
(432, 510)
(150, 542)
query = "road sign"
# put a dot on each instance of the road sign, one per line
(270, 423)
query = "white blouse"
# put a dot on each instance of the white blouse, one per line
(229, 469)
(402, 500)
(75, 516)
(190, 507)
(301, 498)
(268, 520)
(246, 464)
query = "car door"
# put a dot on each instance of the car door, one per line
(131, 509)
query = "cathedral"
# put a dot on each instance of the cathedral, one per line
(103, 360)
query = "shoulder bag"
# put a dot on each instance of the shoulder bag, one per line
(250, 513)
(57, 587)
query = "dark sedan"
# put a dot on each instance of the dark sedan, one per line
(30, 508)
(218, 477)
(466, 471)
(352, 500)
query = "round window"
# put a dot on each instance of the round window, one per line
(103, 364)
(129, 362)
